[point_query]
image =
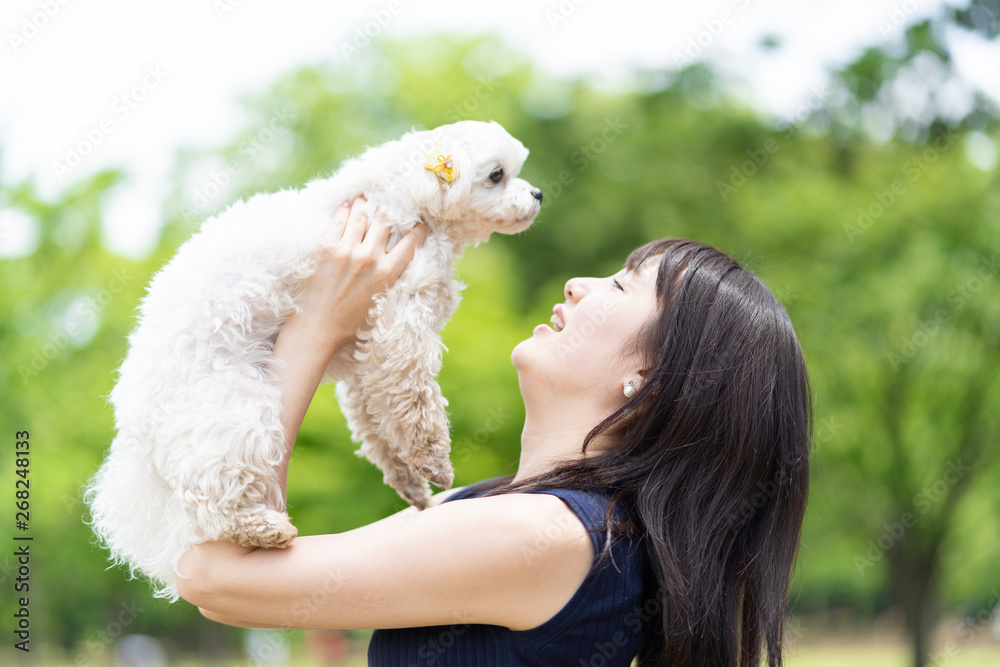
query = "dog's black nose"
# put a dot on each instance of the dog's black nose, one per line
(537, 194)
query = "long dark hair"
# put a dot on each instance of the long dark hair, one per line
(711, 457)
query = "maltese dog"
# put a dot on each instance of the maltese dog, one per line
(197, 413)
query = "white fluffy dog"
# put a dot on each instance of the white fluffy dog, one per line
(197, 413)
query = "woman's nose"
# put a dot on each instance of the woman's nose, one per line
(576, 289)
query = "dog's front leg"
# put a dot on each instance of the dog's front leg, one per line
(412, 487)
(223, 468)
(399, 386)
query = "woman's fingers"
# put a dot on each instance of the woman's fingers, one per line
(357, 222)
(349, 271)
(399, 257)
(351, 226)
(361, 246)
(378, 232)
(336, 230)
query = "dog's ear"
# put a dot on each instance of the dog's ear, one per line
(426, 190)
(456, 193)
(441, 187)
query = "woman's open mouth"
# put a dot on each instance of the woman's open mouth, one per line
(557, 319)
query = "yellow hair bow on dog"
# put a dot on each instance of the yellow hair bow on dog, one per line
(442, 164)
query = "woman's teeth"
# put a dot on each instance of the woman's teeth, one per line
(557, 322)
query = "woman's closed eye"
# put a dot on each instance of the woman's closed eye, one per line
(617, 284)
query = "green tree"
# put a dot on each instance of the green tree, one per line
(865, 243)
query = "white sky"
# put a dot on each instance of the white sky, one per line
(64, 65)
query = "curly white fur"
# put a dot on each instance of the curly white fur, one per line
(197, 413)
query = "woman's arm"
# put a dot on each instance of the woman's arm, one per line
(401, 515)
(513, 560)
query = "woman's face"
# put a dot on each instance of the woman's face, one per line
(590, 346)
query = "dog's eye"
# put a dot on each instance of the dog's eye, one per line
(497, 175)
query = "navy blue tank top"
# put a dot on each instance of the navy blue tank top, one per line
(602, 624)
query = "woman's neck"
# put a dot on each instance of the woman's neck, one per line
(553, 435)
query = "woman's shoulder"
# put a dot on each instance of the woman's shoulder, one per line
(558, 519)
(539, 509)
(587, 498)
(556, 509)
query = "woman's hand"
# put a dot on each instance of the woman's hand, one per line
(352, 266)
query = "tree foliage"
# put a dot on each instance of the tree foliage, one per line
(886, 260)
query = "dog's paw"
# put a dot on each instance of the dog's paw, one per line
(420, 499)
(433, 467)
(269, 530)
(411, 487)
(440, 476)
(414, 490)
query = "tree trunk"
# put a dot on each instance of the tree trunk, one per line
(914, 577)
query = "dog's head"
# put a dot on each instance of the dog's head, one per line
(468, 186)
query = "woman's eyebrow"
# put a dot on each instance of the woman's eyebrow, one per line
(631, 274)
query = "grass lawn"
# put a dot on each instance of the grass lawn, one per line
(857, 654)
(819, 652)
(886, 654)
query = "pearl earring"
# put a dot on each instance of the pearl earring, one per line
(629, 389)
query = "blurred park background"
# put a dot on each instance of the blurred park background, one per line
(871, 208)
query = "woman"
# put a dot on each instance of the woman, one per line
(655, 511)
